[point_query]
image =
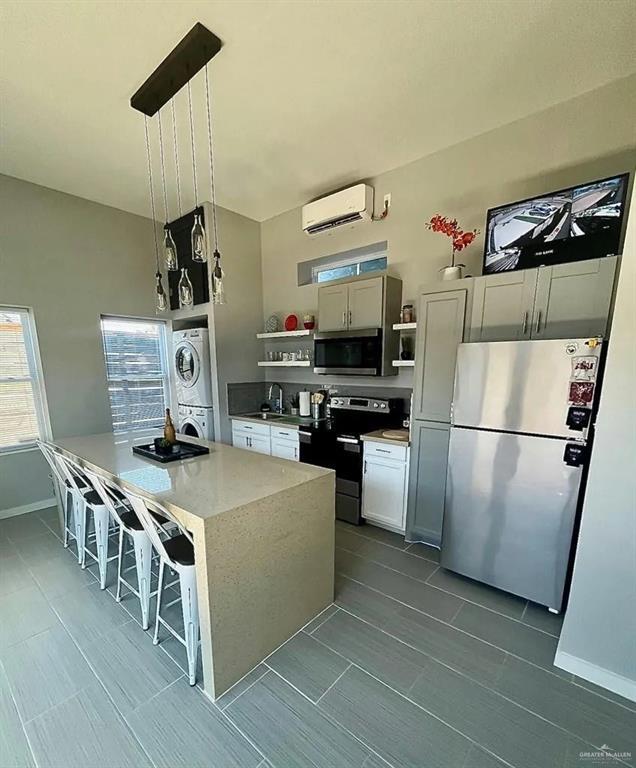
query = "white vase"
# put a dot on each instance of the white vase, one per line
(451, 273)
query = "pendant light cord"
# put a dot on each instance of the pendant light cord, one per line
(152, 194)
(163, 170)
(194, 162)
(176, 156)
(212, 189)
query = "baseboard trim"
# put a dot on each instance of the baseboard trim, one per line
(25, 508)
(619, 684)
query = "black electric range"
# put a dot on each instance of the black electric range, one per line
(335, 443)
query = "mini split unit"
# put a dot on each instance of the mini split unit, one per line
(344, 207)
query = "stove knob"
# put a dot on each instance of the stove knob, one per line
(375, 405)
(382, 405)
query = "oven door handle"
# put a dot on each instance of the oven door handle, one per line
(349, 440)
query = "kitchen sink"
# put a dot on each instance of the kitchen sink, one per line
(265, 415)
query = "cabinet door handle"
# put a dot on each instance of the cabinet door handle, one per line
(524, 328)
(350, 317)
(344, 319)
(295, 452)
(365, 467)
(382, 450)
(538, 321)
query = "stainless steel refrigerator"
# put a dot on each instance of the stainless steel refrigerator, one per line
(520, 422)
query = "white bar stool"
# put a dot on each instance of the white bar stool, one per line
(61, 487)
(85, 497)
(178, 554)
(129, 524)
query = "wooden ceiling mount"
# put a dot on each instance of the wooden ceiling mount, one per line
(187, 58)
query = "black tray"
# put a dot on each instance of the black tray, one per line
(180, 451)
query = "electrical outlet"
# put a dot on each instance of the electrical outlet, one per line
(387, 201)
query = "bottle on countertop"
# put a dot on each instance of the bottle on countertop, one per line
(169, 433)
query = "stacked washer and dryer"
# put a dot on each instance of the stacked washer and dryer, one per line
(194, 383)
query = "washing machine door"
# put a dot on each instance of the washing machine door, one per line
(190, 428)
(187, 364)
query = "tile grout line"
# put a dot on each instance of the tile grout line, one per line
(108, 695)
(326, 691)
(456, 671)
(452, 626)
(333, 613)
(219, 707)
(360, 553)
(446, 592)
(328, 716)
(20, 718)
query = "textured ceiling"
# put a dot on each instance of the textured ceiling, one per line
(308, 96)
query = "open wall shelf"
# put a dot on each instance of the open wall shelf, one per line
(284, 334)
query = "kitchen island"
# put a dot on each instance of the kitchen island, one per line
(263, 533)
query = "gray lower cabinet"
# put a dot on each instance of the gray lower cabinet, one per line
(574, 300)
(566, 300)
(441, 321)
(503, 306)
(427, 481)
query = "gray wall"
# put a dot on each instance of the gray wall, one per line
(234, 325)
(598, 640)
(70, 260)
(578, 140)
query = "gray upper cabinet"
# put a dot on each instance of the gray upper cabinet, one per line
(365, 303)
(566, 300)
(574, 300)
(440, 329)
(503, 306)
(333, 307)
(359, 304)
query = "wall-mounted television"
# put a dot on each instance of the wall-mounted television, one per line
(573, 224)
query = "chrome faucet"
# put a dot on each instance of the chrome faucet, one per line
(279, 403)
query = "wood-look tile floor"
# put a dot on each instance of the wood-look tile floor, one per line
(412, 666)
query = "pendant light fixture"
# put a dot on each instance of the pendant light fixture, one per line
(198, 237)
(161, 302)
(218, 288)
(169, 245)
(186, 295)
(191, 55)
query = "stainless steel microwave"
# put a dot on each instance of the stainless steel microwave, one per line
(351, 353)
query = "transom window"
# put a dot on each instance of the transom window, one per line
(137, 372)
(351, 263)
(23, 414)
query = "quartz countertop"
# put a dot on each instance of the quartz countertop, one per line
(378, 437)
(202, 486)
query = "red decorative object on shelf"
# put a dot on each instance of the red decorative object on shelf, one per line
(291, 323)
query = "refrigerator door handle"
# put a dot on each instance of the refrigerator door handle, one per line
(539, 321)
(524, 327)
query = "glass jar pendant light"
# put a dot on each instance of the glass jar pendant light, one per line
(170, 250)
(186, 298)
(218, 290)
(199, 240)
(161, 300)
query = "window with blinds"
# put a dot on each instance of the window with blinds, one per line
(22, 408)
(137, 372)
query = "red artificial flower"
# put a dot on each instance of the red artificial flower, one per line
(450, 228)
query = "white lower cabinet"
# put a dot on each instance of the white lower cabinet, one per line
(274, 441)
(384, 486)
(285, 449)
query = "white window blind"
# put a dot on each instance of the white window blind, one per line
(22, 408)
(137, 372)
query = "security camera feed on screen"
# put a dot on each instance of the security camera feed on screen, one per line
(571, 225)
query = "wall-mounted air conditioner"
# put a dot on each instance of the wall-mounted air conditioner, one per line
(345, 207)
